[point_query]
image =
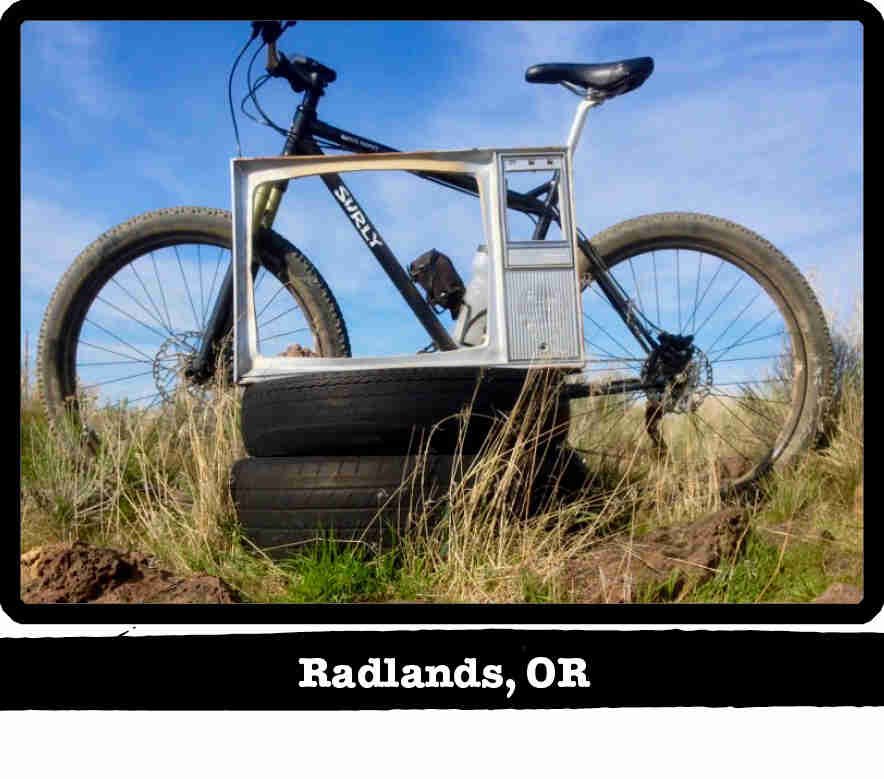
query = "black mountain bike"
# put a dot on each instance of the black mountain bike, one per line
(703, 341)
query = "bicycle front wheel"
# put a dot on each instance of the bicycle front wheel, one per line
(743, 368)
(130, 312)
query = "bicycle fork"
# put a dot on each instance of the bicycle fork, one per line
(202, 365)
(267, 200)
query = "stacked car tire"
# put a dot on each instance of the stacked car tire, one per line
(348, 454)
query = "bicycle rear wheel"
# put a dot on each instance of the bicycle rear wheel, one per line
(130, 312)
(746, 370)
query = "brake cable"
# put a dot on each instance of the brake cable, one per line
(262, 80)
(270, 32)
(230, 89)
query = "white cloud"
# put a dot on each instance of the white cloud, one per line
(51, 238)
(73, 56)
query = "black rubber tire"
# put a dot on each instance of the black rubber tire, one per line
(284, 502)
(109, 255)
(377, 411)
(777, 277)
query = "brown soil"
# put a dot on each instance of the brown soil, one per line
(665, 564)
(79, 573)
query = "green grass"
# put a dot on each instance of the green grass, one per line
(330, 572)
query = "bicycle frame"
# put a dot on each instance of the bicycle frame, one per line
(300, 141)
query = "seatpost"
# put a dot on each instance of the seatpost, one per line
(590, 99)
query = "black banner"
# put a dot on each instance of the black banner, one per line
(484, 669)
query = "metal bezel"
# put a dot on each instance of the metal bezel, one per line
(485, 165)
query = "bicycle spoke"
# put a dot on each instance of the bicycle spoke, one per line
(740, 397)
(751, 359)
(724, 406)
(114, 381)
(115, 362)
(615, 413)
(287, 333)
(127, 314)
(741, 342)
(656, 289)
(160, 287)
(606, 302)
(635, 284)
(117, 338)
(733, 321)
(259, 277)
(678, 287)
(186, 286)
(111, 351)
(599, 327)
(215, 274)
(742, 403)
(199, 264)
(260, 313)
(726, 441)
(278, 316)
(745, 383)
(706, 291)
(697, 291)
(149, 296)
(725, 297)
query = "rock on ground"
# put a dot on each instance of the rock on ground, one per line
(665, 564)
(840, 593)
(80, 573)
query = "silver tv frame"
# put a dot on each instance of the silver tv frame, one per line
(534, 315)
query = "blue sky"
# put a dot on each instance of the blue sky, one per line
(757, 122)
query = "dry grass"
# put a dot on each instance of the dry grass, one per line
(505, 530)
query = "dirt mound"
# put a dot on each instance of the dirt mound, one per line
(840, 593)
(80, 573)
(296, 350)
(665, 564)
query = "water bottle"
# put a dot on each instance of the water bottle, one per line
(470, 326)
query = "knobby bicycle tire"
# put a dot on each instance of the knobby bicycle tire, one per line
(106, 281)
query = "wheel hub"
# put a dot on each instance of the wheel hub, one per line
(683, 371)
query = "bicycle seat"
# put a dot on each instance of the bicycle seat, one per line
(608, 78)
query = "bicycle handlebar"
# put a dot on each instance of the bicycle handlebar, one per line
(301, 72)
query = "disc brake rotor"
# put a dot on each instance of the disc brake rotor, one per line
(172, 359)
(685, 391)
(683, 373)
